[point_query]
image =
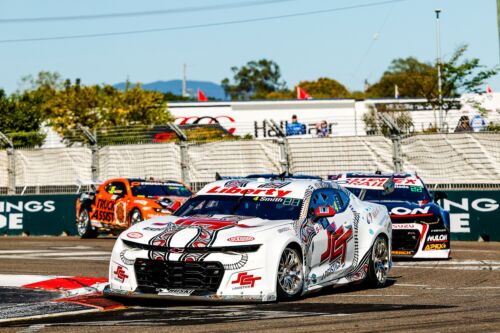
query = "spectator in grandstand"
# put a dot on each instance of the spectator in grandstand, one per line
(295, 128)
(477, 123)
(463, 125)
(322, 129)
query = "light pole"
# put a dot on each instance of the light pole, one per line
(438, 64)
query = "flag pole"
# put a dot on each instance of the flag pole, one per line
(438, 64)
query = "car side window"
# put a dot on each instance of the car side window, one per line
(116, 188)
(342, 200)
(336, 199)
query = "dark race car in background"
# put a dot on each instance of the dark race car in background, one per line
(421, 228)
(121, 202)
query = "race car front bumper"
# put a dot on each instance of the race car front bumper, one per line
(214, 276)
(420, 241)
(194, 297)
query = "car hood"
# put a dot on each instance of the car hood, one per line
(202, 231)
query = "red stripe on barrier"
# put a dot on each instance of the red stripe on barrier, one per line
(93, 300)
(67, 283)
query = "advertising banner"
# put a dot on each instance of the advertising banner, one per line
(38, 214)
(473, 214)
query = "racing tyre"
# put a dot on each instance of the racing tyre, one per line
(379, 263)
(290, 280)
(135, 216)
(83, 225)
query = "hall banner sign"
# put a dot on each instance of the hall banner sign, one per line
(37, 215)
(473, 214)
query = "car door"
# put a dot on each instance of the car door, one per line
(332, 250)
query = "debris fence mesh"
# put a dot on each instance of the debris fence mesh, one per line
(445, 161)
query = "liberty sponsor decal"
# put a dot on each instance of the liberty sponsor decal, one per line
(12, 213)
(247, 191)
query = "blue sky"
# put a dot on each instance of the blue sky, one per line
(339, 45)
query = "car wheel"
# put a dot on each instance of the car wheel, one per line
(135, 216)
(83, 225)
(290, 275)
(379, 263)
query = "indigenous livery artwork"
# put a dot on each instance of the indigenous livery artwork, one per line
(421, 228)
(255, 240)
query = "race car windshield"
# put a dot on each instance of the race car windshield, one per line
(407, 193)
(160, 190)
(268, 208)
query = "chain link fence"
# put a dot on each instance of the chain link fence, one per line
(194, 155)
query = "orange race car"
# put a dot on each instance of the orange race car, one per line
(121, 202)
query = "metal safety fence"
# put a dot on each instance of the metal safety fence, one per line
(452, 160)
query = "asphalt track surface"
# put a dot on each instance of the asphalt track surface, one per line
(458, 295)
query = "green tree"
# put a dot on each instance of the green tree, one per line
(104, 106)
(412, 77)
(255, 80)
(417, 79)
(283, 94)
(20, 119)
(325, 88)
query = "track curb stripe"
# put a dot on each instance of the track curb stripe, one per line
(65, 283)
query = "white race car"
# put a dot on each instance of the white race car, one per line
(254, 240)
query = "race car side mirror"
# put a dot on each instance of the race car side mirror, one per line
(323, 211)
(438, 195)
(389, 185)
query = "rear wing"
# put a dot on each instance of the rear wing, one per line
(85, 185)
(268, 176)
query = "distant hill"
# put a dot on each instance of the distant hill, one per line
(210, 89)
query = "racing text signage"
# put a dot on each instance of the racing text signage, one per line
(37, 214)
(473, 214)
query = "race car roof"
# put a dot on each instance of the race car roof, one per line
(288, 188)
(375, 181)
(277, 176)
(154, 181)
(372, 175)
